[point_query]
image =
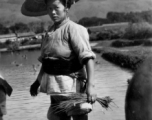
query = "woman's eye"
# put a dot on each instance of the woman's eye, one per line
(56, 7)
(50, 8)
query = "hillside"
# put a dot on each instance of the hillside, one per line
(10, 9)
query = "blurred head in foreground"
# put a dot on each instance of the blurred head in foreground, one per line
(138, 103)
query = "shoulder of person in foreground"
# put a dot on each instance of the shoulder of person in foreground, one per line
(78, 31)
(79, 39)
(3, 83)
(74, 25)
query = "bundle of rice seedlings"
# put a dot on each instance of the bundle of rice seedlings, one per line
(77, 98)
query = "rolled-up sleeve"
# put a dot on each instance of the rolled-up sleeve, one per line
(40, 57)
(79, 39)
(42, 45)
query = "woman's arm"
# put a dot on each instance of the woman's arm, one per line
(79, 40)
(90, 81)
(39, 77)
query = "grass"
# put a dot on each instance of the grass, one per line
(142, 30)
(72, 100)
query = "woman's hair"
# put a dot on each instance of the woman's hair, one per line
(66, 3)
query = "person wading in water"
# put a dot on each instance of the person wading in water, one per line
(66, 57)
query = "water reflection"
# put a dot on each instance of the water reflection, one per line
(109, 79)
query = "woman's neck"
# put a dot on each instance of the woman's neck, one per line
(58, 24)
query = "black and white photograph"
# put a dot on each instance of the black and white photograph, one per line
(75, 59)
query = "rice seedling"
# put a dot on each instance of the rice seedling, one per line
(77, 98)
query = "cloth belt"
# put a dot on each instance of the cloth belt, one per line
(60, 66)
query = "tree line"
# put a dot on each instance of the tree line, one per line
(112, 17)
(36, 27)
(116, 17)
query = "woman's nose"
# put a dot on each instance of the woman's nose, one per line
(53, 12)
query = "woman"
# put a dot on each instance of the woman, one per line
(65, 56)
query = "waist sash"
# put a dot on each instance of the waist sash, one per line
(60, 66)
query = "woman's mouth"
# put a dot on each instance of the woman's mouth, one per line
(54, 17)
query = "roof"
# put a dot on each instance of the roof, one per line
(19, 35)
(3, 38)
(26, 34)
(7, 36)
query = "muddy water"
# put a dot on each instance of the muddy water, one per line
(21, 69)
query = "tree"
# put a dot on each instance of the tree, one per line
(3, 30)
(36, 27)
(19, 28)
(92, 21)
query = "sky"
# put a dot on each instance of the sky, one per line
(10, 9)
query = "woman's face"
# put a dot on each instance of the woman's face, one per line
(56, 10)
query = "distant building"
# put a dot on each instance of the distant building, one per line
(23, 36)
(40, 35)
(10, 37)
(13, 37)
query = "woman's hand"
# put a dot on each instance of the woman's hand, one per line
(91, 95)
(34, 88)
